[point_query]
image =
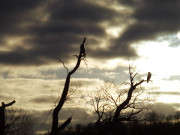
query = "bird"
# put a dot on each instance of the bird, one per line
(149, 76)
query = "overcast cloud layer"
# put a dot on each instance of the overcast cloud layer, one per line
(34, 32)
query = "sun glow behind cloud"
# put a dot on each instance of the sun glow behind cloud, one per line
(159, 58)
(162, 61)
(114, 31)
(12, 43)
(178, 35)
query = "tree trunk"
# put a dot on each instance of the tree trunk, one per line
(55, 128)
(2, 116)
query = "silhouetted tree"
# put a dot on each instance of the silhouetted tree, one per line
(177, 116)
(154, 117)
(18, 122)
(127, 102)
(55, 127)
(3, 125)
(123, 105)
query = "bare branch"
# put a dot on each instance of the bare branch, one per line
(59, 59)
(8, 104)
(65, 124)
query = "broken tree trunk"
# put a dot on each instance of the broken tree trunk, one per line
(3, 117)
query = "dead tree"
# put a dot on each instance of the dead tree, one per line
(55, 127)
(2, 116)
(18, 122)
(116, 103)
(125, 103)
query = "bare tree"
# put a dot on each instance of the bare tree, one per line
(126, 103)
(154, 117)
(55, 127)
(18, 122)
(116, 103)
(177, 116)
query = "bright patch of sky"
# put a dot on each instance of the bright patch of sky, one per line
(162, 60)
(159, 58)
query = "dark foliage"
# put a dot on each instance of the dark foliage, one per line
(161, 126)
(131, 128)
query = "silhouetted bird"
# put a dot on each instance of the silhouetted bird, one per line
(82, 48)
(149, 76)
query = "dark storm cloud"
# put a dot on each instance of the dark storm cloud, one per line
(118, 48)
(14, 13)
(59, 35)
(152, 18)
(56, 28)
(21, 56)
(79, 11)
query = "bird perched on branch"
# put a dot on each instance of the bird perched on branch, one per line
(82, 48)
(149, 76)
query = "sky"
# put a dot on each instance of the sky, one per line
(33, 34)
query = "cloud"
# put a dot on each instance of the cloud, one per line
(50, 29)
(56, 28)
(170, 93)
(174, 77)
(176, 105)
(14, 14)
(164, 108)
(42, 119)
(41, 99)
(151, 19)
(41, 94)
